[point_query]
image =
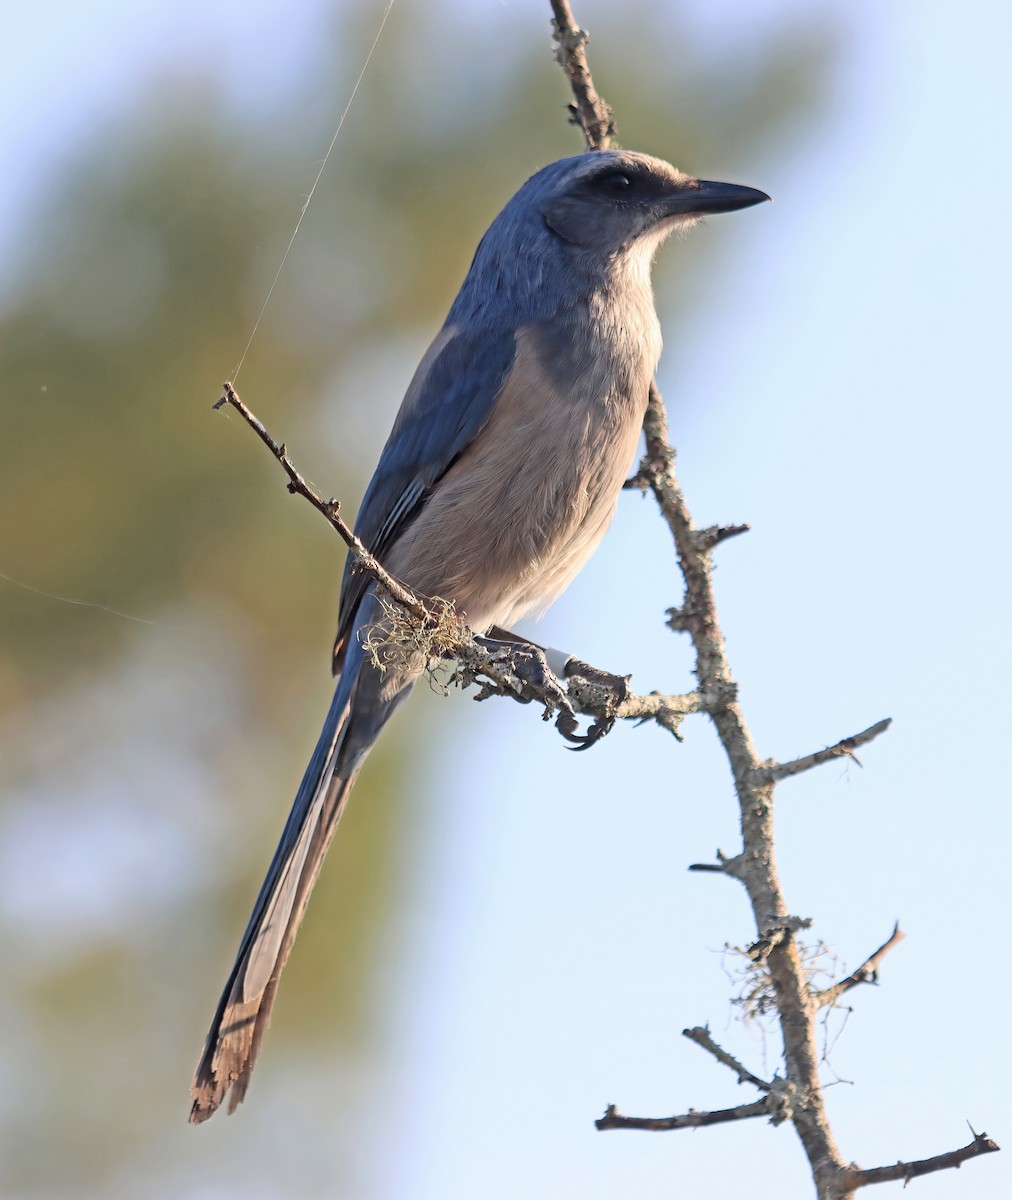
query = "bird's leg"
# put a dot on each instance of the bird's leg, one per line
(601, 691)
(529, 664)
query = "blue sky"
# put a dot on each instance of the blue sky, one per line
(843, 388)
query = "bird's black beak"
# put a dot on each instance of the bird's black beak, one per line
(703, 197)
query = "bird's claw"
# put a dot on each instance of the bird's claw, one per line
(567, 725)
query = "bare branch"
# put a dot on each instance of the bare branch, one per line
(725, 865)
(331, 509)
(772, 771)
(668, 711)
(590, 112)
(855, 1178)
(799, 1097)
(613, 1119)
(713, 535)
(867, 972)
(701, 1036)
(756, 869)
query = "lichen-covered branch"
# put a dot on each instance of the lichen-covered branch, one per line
(755, 779)
(589, 111)
(756, 866)
(776, 946)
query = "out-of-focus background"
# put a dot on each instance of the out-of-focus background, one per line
(505, 938)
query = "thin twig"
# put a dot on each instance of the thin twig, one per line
(331, 509)
(613, 1119)
(772, 771)
(713, 535)
(701, 1036)
(856, 1178)
(867, 972)
(726, 864)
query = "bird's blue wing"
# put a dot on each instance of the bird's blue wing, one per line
(446, 405)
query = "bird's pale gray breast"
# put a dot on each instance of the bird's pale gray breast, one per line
(524, 507)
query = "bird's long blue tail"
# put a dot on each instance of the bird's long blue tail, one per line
(357, 714)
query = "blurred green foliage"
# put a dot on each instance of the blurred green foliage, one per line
(148, 267)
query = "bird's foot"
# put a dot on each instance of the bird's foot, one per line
(588, 689)
(599, 691)
(533, 679)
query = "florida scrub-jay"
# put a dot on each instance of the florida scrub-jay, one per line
(499, 478)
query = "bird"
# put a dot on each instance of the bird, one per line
(497, 482)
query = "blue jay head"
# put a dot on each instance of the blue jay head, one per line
(608, 201)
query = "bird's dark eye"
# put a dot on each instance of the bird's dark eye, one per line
(615, 183)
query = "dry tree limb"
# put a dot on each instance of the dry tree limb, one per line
(589, 111)
(701, 1036)
(755, 866)
(981, 1144)
(613, 1119)
(867, 972)
(713, 535)
(799, 1096)
(331, 509)
(772, 771)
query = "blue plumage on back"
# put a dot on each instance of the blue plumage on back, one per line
(459, 380)
(450, 399)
